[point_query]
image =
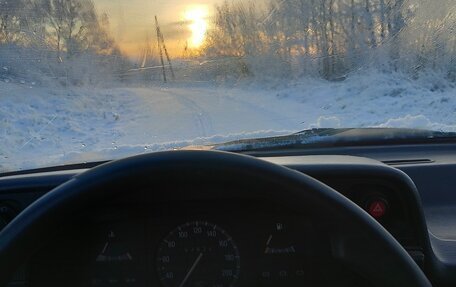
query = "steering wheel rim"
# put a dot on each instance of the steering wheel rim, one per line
(392, 266)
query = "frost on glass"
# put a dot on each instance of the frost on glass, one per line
(330, 38)
(73, 89)
(61, 42)
(69, 42)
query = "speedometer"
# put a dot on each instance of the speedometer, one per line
(198, 253)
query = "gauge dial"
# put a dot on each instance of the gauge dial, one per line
(113, 251)
(198, 254)
(118, 257)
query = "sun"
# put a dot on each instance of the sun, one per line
(197, 17)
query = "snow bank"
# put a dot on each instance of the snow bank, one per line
(418, 121)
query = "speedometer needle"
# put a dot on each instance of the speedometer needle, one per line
(191, 269)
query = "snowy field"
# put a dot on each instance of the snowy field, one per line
(43, 126)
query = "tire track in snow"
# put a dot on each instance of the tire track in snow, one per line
(202, 119)
(285, 122)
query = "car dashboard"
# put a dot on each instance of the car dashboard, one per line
(136, 247)
(136, 241)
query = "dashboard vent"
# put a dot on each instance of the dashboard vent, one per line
(407, 161)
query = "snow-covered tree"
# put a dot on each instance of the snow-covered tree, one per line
(332, 37)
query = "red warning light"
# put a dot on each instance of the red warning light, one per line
(377, 209)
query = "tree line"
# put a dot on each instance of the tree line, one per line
(330, 38)
(70, 41)
(62, 38)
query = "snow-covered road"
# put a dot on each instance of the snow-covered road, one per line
(46, 126)
(174, 114)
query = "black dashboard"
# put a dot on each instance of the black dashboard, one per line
(133, 241)
(137, 247)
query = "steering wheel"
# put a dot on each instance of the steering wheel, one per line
(360, 240)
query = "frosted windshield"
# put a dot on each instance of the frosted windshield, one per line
(88, 80)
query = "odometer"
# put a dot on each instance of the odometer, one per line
(198, 254)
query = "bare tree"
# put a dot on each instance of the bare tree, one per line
(10, 20)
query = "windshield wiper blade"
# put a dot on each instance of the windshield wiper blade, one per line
(328, 137)
(321, 131)
(306, 137)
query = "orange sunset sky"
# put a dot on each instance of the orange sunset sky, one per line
(182, 22)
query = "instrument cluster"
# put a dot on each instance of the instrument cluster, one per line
(197, 246)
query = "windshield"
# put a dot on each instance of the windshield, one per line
(90, 80)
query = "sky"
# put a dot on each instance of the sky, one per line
(182, 23)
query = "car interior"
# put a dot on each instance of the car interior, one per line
(377, 215)
(227, 143)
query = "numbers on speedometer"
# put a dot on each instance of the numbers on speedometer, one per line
(198, 254)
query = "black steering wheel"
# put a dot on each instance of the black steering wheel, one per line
(361, 241)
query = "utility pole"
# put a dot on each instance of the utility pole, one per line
(161, 49)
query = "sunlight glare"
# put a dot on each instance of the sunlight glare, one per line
(197, 16)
